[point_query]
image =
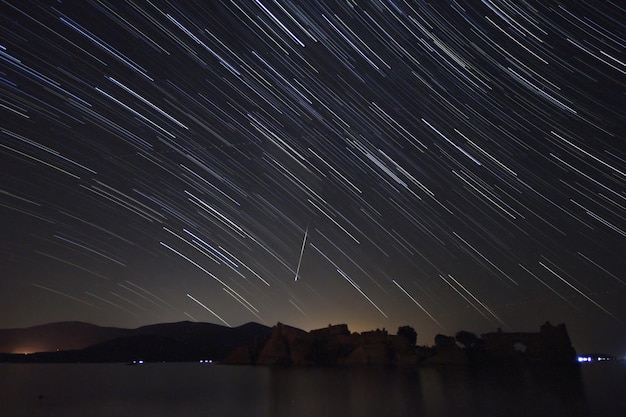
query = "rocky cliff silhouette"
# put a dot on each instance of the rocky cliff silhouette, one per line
(337, 346)
(283, 345)
(330, 346)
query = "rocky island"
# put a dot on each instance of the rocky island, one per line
(283, 345)
(335, 345)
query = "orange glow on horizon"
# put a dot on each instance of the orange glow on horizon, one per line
(25, 351)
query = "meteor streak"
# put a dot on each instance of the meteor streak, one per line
(306, 232)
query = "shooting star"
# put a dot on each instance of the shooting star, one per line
(306, 233)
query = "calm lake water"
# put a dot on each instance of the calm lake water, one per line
(190, 390)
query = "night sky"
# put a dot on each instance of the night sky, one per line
(446, 165)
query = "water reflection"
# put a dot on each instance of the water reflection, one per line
(427, 392)
(211, 390)
(333, 392)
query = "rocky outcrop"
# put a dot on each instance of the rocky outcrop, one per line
(371, 348)
(405, 353)
(286, 346)
(335, 345)
(330, 346)
(446, 352)
(551, 345)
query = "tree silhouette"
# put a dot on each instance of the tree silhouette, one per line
(408, 333)
(468, 339)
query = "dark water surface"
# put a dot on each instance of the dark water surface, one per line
(190, 390)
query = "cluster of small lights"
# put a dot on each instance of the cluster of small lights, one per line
(582, 359)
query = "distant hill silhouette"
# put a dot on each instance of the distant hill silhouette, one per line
(57, 336)
(82, 342)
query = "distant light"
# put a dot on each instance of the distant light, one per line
(594, 358)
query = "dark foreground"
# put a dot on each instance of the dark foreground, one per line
(194, 389)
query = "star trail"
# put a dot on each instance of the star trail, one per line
(446, 165)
